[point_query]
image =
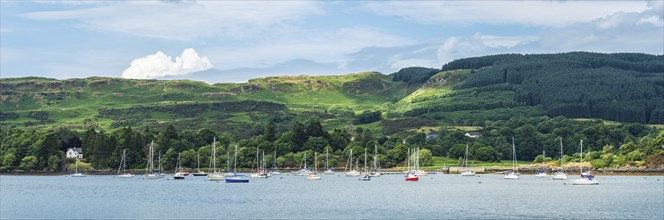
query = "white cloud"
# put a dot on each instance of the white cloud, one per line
(160, 65)
(187, 20)
(539, 13)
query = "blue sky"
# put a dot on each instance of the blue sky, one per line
(233, 41)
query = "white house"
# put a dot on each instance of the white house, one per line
(473, 134)
(75, 153)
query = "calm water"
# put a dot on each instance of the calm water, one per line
(335, 197)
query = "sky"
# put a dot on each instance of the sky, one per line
(234, 41)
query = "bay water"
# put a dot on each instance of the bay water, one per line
(436, 196)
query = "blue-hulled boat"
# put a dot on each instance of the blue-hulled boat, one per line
(235, 178)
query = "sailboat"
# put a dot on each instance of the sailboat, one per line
(149, 169)
(122, 167)
(329, 170)
(179, 175)
(465, 164)
(275, 171)
(586, 178)
(417, 170)
(352, 172)
(262, 172)
(304, 171)
(375, 170)
(542, 173)
(366, 176)
(410, 175)
(235, 178)
(160, 171)
(313, 175)
(199, 172)
(77, 174)
(255, 175)
(560, 175)
(215, 175)
(512, 175)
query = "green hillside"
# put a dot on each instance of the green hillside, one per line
(111, 102)
(608, 96)
(617, 87)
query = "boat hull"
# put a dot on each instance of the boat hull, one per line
(234, 180)
(559, 177)
(152, 176)
(511, 177)
(78, 175)
(585, 181)
(412, 178)
(314, 178)
(126, 176)
(199, 174)
(215, 177)
(468, 173)
(178, 177)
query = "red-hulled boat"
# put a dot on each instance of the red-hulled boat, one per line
(412, 177)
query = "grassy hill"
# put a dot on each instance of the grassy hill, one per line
(466, 92)
(113, 102)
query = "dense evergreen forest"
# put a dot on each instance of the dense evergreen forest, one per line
(619, 87)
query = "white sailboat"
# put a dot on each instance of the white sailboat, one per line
(122, 167)
(313, 175)
(375, 170)
(465, 165)
(586, 178)
(77, 174)
(512, 175)
(329, 170)
(199, 172)
(257, 173)
(366, 176)
(179, 175)
(149, 169)
(275, 171)
(417, 170)
(262, 172)
(304, 171)
(351, 172)
(215, 175)
(560, 175)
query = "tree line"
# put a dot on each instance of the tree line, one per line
(607, 145)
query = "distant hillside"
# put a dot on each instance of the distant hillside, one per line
(472, 91)
(619, 87)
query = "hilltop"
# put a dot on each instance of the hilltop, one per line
(466, 92)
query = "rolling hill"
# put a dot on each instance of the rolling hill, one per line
(466, 92)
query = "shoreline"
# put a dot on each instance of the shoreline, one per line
(451, 171)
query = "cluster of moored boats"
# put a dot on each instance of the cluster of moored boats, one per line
(411, 174)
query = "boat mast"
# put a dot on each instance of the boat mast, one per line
(582, 157)
(235, 160)
(561, 154)
(214, 154)
(514, 156)
(365, 160)
(315, 162)
(327, 165)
